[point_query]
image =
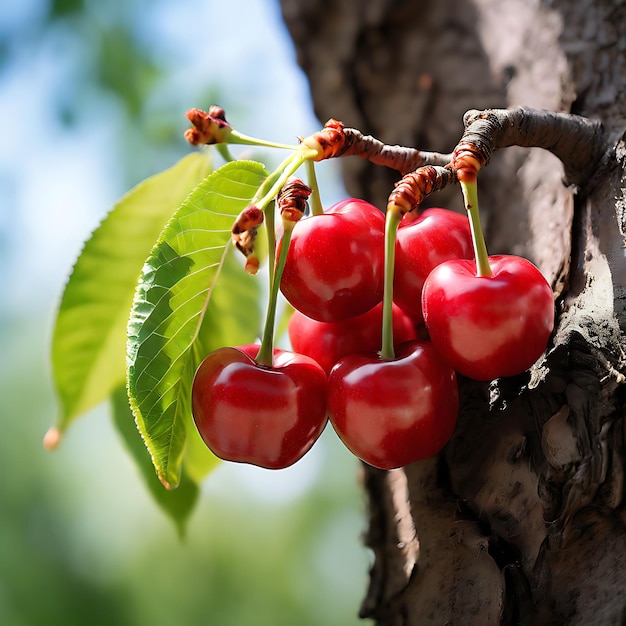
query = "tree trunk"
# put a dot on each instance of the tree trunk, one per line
(521, 519)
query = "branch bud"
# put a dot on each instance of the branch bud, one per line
(250, 217)
(208, 127)
(410, 191)
(244, 242)
(244, 232)
(467, 161)
(291, 200)
(328, 142)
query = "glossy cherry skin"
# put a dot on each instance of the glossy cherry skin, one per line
(487, 327)
(250, 413)
(423, 242)
(335, 263)
(327, 342)
(390, 413)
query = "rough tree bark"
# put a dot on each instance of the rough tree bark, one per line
(521, 520)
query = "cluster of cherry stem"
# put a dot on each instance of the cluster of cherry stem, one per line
(578, 142)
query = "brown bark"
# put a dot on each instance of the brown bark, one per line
(522, 519)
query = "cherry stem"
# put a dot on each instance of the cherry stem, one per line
(392, 221)
(270, 188)
(267, 191)
(470, 196)
(235, 137)
(270, 232)
(315, 201)
(283, 172)
(224, 152)
(266, 351)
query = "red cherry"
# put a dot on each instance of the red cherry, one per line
(489, 326)
(392, 412)
(327, 342)
(251, 413)
(335, 263)
(423, 242)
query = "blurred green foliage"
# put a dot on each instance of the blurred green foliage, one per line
(81, 543)
(81, 540)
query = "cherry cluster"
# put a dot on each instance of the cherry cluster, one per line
(417, 289)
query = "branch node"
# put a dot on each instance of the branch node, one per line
(410, 191)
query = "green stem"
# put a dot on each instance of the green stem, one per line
(279, 178)
(315, 200)
(392, 221)
(270, 231)
(222, 148)
(266, 194)
(470, 196)
(269, 183)
(266, 351)
(239, 138)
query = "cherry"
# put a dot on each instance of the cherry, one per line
(335, 263)
(424, 241)
(390, 412)
(327, 342)
(268, 416)
(491, 325)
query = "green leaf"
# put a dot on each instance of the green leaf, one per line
(89, 337)
(185, 306)
(177, 504)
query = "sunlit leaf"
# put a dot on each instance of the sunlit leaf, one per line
(177, 504)
(89, 338)
(181, 310)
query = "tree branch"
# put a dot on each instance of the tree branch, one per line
(335, 140)
(577, 141)
(411, 190)
(399, 158)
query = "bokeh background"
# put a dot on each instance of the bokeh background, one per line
(92, 100)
